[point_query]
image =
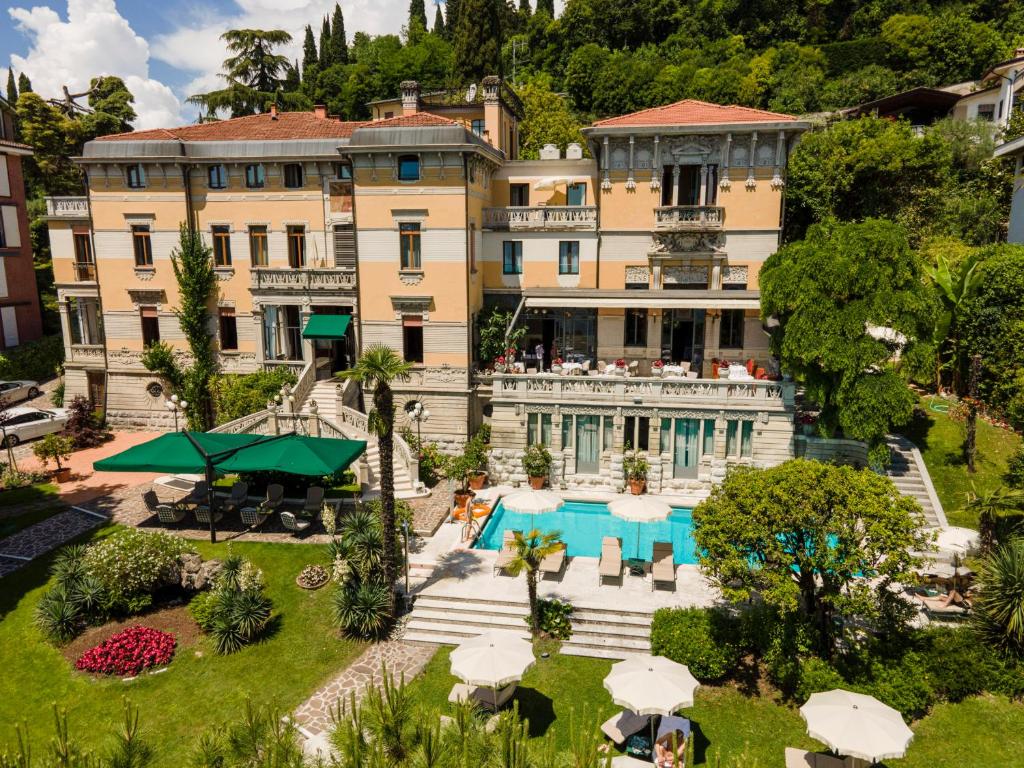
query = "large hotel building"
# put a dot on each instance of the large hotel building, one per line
(643, 247)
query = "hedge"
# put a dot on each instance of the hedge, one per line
(34, 360)
(699, 638)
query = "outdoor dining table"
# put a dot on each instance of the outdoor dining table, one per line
(739, 373)
(672, 370)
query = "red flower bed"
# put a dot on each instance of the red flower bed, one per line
(128, 652)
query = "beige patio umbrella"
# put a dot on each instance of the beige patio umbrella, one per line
(651, 685)
(856, 725)
(639, 509)
(493, 659)
(531, 502)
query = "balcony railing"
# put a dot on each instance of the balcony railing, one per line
(653, 392)
(557, 217)
(671, 218)
(88, 354)
(85, 272)
(71, 207)
(266, 278)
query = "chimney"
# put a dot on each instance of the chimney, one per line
(410, 97)
(273, 111)
(493, 118)
(320, 110)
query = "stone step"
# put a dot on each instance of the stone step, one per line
(471, 606)
(483, 621)
(431, 638)
(587, 616)
(584, 631)
(623, 643)
(599, 653)
(478, 604)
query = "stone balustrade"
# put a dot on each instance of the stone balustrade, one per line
(677, 218)
(266, 278)
(70, 207)
(540, 217)
(87, 354)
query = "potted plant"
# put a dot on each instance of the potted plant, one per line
(456, 469)
(656, 368)
(620, 367)
(635, 467)
(556, 365)
(499, 364)
(537, 465)
(56, 447)
(476, 461)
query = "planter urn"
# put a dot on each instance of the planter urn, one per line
(636, 487)
(537, 483)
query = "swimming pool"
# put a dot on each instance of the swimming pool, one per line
(584, 524)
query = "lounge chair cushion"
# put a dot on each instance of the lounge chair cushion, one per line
(620, 727)
(554, 562)
(485, 697)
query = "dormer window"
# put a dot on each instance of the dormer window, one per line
(409, 168)
(217, 177)
(293, 176)
(136, 177)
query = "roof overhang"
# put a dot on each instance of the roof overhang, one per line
(790, 126)
(650, 299)
(1010, 148)
(176, 150)
(931, 98)
(14, 148)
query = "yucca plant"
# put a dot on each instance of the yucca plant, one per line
(58, 615)
(68, 567)
(240, 618)
(998, 615)
(363, 609)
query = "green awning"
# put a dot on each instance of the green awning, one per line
(174, 453)
(296, 455)
(326, 326)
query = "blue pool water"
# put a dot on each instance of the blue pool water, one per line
(584, 524)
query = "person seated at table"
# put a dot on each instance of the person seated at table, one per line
(670, 744)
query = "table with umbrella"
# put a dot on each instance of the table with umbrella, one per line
(532, 502)
(491, 660)
(639, 509)
(856, 725)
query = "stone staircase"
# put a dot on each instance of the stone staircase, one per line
(325, 395)
(596, 632)
(908, 472)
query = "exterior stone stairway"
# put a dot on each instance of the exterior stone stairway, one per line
(324, 393)
(596, 632)
(908, 472)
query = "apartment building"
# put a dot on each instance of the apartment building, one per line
(20, 319)
(329, 236)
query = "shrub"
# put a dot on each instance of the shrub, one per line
(1014, 476)
(998, 616)
(14, 478)
(55, 447)
(83, 427)
(131, 564)
(203, 608)
(816, 675)
(58, 615)
(235, 396)
(555, 618)
(237, 610)
(698, 638)
(128, 652)
(959, 666)
(57, 396)
(900, 683)
(35, 360)
(537, 461)
(363, 609)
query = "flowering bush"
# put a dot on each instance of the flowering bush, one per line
(131, 564)
(313, 576)
(128, 652)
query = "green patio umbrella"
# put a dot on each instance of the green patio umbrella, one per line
(175, 453)
(296, 455)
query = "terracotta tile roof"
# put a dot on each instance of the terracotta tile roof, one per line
(693, 112)
(14, 145)
(415, 120)
(288, 125)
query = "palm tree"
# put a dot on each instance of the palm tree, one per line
(954, 284)
(531, 549)
(376, 369)
(998, 614)
(989, 507)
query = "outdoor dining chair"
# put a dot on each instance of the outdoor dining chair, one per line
(275, 498)
(168, 514)
(294, 524)
(202, 513)
(314, 500)
(239, 495)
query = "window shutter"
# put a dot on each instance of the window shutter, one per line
(10, 220)
(5, 182)
(10, 322)
(344, 246)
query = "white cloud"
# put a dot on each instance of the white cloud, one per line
(95, 40)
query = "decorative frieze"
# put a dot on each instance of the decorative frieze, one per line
(672, 243)
(735, 275)
(638, 275)
(684, 275)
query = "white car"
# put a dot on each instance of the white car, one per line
(20, 424)
(16, 391)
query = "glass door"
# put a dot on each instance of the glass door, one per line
(685, 455)
(588, 445)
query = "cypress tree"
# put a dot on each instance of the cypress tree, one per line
(477, 40)
(12, 89)
(418, 12)
(339, 46)
(309, 57)
(325, 44)
(438, 20)
(451, 17)
(524, 7)
(548, 6)
(24, 84)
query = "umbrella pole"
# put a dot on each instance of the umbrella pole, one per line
(210, 477)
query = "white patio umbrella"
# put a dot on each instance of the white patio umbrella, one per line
(531, 502)
(493, 659)
(856, 725)
(956, 539)
(651, 685)
(639, 509)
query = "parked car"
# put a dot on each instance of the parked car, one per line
(16, 391)
(22, 423)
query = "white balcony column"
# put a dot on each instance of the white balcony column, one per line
(606, 161)
(675, 184)
(780, 149)
(257, 319)
(630, 181)
(751, 183)
(308, 354)
(65, 326)
(656, 164)
(702, 195)
(725, 182)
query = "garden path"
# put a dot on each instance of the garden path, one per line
(29, 543)
(401, 659)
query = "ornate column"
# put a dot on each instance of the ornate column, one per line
(257, 319)
(751, 183)
(656, 165)
(65, 326)
(726, 182)
(675, 184)
(780, 149)
(716, 276)
(630, 182)
(702, 194)
(606, 161)
(308, 354)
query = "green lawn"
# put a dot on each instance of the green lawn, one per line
(30, 494)
(941, 443)
(738, 729)
(200, 687)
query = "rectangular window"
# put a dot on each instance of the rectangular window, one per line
(3, 235)
(538, 429)
(254, 178)
(217, 177)
(296, 247)
(607, 433)
(343, 171)
(732, 429)
(293, 175)
(85, 265)
(519, 194)
(576, 194)
(228, 329)
(221, 245)
(636, 328)
(412, 339)
(569, 257)
(409, 168)
(258, 251)
(708, 448)
(409, 245)
(665, 438)
(987, 112)
(136, 176)
(746, 439)
(731, 331)
(150, 326)
(143, 245)
(512, 257)
(478, 127)
(567, 432)
(472, 246)
(637, 432)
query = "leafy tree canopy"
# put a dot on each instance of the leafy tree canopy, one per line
(548, 119)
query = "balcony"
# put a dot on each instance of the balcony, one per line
(271, 279)
(688, 218)
(88, 355)
(542, 217)
(67, 207)
(85, 272)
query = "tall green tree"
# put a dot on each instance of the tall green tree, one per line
(811, 539)
(477, 40)
(827, 292)
(989, 507)
(452, 10)
(439, 28)
(339, 43)
(377, 369)
(310, 59)
(549, 119)
(530, 551)
(418, 13)
(546, 6)
(112, 105)
(253, 74)
(325, 43)
(953, 283)
(54, 139)
(24, 84)
(12, 88)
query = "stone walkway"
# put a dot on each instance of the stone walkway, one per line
(313, 718)
(29, 543)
